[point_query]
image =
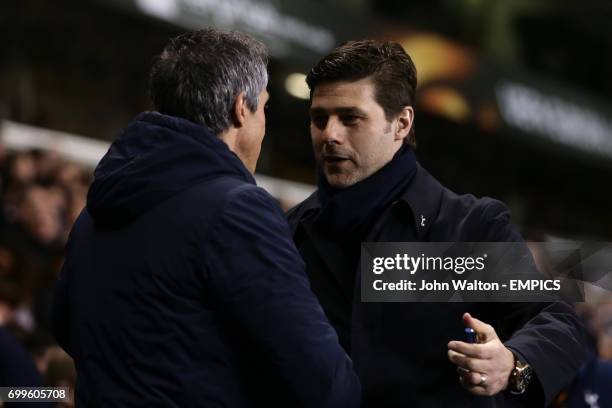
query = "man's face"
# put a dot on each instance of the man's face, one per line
(351, 136)
(254, 129)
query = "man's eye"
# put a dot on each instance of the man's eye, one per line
(349, 119)
(319, 121)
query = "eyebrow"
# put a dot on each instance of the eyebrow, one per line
(349, 110)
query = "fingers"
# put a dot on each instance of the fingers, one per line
(486, 332)
(472, 379)
(467, 363)
(476, 362)
(481, 351)
(473, 383)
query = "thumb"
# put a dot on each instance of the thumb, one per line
(485, 332)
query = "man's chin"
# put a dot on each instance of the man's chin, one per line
(339, 180)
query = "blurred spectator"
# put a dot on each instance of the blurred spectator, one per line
(592, 387)
(21, 168)
(40, 197)
(47, 163)
(42, 213)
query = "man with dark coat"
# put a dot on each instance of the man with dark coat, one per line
(372, 189)
(181, 285)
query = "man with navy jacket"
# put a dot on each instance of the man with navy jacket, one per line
(181, 285)
(372, 189)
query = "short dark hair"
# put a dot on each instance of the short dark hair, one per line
(200, 73)
(389, 66)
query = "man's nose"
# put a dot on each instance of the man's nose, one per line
(332, 133)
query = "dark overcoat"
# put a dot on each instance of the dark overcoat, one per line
(400, 349)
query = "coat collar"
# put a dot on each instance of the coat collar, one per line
(422, 198)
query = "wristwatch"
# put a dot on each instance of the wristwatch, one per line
(520, 377)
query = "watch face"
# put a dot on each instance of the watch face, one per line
(523, 378)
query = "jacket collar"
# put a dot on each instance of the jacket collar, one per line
(422, 197)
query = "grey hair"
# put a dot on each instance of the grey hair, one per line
(200, 73)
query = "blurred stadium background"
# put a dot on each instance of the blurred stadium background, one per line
(514, 102)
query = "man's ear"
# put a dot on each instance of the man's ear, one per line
(404, 123)
(240, 110)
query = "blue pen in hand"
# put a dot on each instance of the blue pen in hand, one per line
(470, 335)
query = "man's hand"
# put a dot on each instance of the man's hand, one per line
(484, 368)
